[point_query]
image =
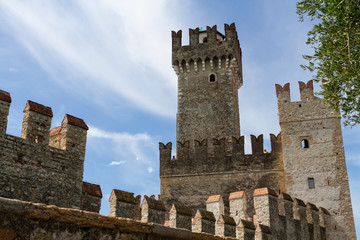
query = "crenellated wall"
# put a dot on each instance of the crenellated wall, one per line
(43, 167)
(276, 216)
(197, 172)
(214, 156)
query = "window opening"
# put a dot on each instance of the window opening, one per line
(212, 78)
(304, 143)
(311, 183)
(204, 39)
(36, 139)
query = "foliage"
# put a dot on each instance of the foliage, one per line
(335, 38)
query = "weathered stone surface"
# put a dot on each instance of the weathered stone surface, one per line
(208, 108)
(41, 168)
(180, 217)
(123, 204)
(91, 197)
(152, 210)
(204, 221)
(25, 220)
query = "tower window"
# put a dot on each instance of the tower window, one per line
(311, 183)
(304, 143)
(212, 78)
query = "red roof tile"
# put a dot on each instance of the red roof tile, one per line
(39, 108)
(5, 96)
(76, 121)
(92, 189)
(55, 131)
(236, 195)
(264, 191)
(214, 198)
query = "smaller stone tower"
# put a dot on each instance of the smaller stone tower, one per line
(314, 158)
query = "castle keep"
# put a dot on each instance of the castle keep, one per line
(210, 190)
(307, 158)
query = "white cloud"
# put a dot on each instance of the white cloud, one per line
(150, 169)
(13, 69)
(134, 152)
(116, 163)
(106, 48)
(128, 146)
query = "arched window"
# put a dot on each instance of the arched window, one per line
(204, 39)
(304, 143)
(212, 78)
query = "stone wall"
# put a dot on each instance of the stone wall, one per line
(32, 169)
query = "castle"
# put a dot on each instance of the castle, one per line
(211, 189)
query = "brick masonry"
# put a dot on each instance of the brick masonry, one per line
(43, 167)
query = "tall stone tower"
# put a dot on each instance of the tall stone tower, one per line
(209, 75)
(314, 158)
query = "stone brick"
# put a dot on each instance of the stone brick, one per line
(180, 217)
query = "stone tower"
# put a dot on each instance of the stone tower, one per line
(314, 159)
(209, 74)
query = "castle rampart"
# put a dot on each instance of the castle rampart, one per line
(299, 221)
(37, 167)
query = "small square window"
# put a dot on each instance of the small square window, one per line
(311, 183)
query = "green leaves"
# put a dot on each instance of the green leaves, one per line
(335, 39)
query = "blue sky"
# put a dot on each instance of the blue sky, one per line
(109, 62)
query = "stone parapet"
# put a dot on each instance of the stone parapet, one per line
(309, 107)
(44, 165)
(226, 156)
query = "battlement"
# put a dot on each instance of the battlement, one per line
(309, 106)
(276, 215)
(207, 50)
(226, 156)
(45, 165)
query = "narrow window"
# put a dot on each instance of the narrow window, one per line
(311, 183)
(304, 143)
(204, 39)
(36, 139)
(212, 78)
